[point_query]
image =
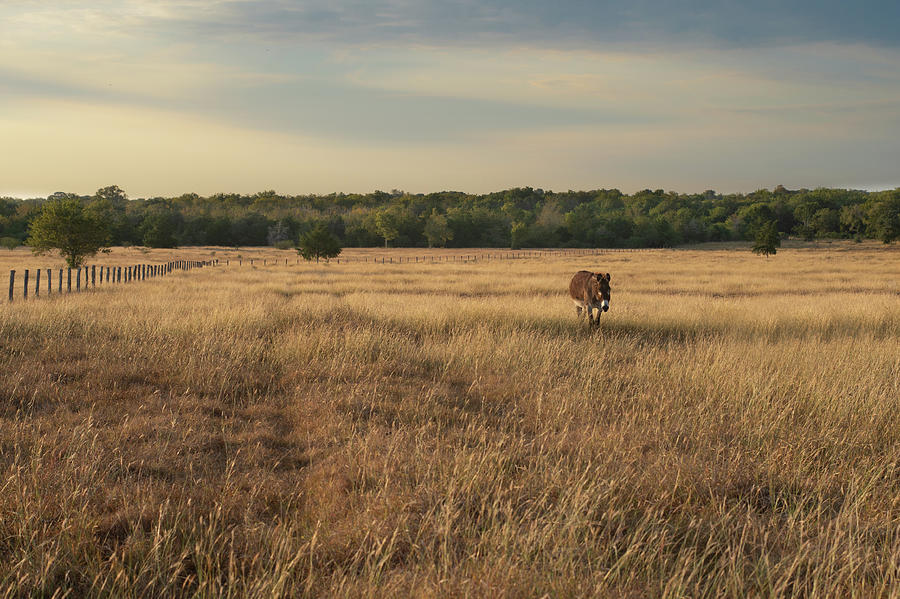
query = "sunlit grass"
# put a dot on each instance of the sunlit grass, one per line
(452, 429)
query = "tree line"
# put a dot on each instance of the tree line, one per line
(516, 218)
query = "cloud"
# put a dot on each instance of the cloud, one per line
(563, 24)
(474, 95)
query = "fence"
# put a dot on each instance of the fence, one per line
(97, 275)
(102, 275)
(432, 259)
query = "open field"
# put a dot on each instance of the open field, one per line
(730, 429)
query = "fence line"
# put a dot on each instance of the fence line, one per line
(431, 259)
(114, 275)
(141, 272)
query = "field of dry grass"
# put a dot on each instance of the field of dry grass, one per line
(730, 429)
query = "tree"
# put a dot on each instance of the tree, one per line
(884, 217)
(113, 204)
(804, 214)
(9, 243)
(437, 230)
(517, 235)
(387, 224)
(278, 232)
(853, 220)
(112, 194)
(158, 230)
(67, 225)
(319, 243)
(755, 217)
(767, 239)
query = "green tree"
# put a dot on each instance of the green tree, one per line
(113, 203)
(112, 194)
(804, 216)
(827, 222)
(437, 229)
(756, 216)
(387, 223)
(319, 243)
(767, 240)
(517, 235)
(884, 217)
(158, 230)
(67, 225)
(9, 243)
(853, 220)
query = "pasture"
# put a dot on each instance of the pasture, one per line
(729, 429)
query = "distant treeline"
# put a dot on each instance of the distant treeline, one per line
(521, 217)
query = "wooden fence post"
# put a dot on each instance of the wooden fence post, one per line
(69, 281)
(49, 281)
(12, 282)
(59, 285)
(93, 275)
(78, 279)
(25, 287)
(37, 283)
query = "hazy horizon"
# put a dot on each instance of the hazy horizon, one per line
(21, 196)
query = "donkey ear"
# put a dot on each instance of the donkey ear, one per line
(608, 277)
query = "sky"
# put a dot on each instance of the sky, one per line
(164, 97)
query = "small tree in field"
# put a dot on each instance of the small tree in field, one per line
(767, 240)
(67, 225)
(9, 243)
(319, 243)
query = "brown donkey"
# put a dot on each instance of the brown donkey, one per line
(590, 291)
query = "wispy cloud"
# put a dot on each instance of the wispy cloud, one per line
(563, 24)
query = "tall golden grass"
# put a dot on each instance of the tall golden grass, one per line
(730, 429)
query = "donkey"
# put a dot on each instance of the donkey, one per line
(590, 291)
